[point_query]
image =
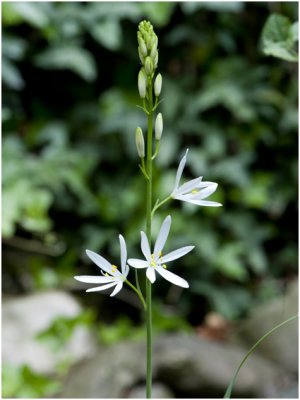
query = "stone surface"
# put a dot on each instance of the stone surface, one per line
(159, 391)
(282, 346)
(26, 316)
(188, 365)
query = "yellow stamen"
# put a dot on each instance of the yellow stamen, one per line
(114, 268)
(195, 191)
(164, 266)
(152, 263)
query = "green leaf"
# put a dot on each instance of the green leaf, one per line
(158, 12)
(279, 37)
(11, 75)
(34, 13)
(228, 261)
(76, 59)
(13, 47)
(108, 33)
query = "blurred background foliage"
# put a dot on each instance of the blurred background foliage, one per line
(70, 175)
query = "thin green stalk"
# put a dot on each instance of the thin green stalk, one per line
(138, 292)
(148, 232)
(232, 382)
(157, 205)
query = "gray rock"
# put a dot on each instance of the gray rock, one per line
(159, 391)
(282, 346)
(188, 365)
(26, 316)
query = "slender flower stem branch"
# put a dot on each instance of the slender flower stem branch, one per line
(156, 149)
(138, 292)
(157, 205)
(148, 232)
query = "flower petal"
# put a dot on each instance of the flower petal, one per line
(117, 289)
(173, 278)
(203, 193)
(176, 254)
(151, 274)
(162, 236)
(123, 250)
(99, 260)
(145, 246)
(136, 263)
(94, 279)
(204, 203)
(189, 186)
(179, 171)
(103, 287)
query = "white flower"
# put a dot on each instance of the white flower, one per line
(155, 262)
(193, 191)
(112, 276)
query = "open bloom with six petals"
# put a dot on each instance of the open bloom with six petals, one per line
(111, 276)
(155, 262)
(193, 191)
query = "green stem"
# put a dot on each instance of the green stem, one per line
(156, 149)
(157, 205)
(148, 232)
(232, 382)
(138, 292)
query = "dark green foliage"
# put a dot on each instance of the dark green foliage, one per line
(70, 168)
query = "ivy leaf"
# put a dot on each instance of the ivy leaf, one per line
(108, 33)
(76, 59)
(34, 14)
(279, 38)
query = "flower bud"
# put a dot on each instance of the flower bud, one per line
(154, 49)
(157, 85)
(139, 141)
(148, 66)
(158, 126)
(142, 46)
(142, 57)
(155, 60)
(142, 84)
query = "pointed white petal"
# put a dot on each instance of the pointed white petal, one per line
(99, 260)
(176, 254)
(204, 192)
(94, 279)
(204, 203)
(151, 274)
(179, 171)
(136, 263)
(123, 250)
(103, 287)
(189, 186)
(162, 236)
(117, 289)
(126, 271)
(145, 246)
(173, 278)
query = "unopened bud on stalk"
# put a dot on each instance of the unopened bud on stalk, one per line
(148, 66)
(142, 84)
(139, 141)
(142, 45)
(154, 49)
(158, 126)
(156, 60)
(157, 85)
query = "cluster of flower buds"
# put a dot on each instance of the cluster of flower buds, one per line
(147, 41)
(148, 53)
